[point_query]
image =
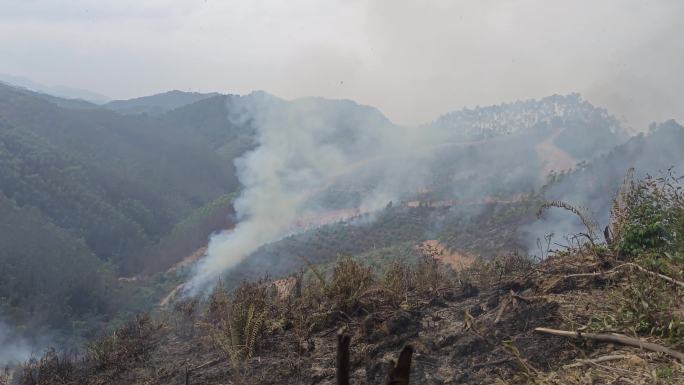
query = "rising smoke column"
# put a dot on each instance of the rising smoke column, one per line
(303, 147)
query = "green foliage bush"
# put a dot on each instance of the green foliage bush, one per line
(648, 307)
(650, 226)
(653, 228)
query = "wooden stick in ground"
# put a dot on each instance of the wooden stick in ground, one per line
(400, 373)
(342, 368)
(615, 338)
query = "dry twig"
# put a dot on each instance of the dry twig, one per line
(612, 357)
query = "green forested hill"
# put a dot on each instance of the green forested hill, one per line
(209, 121)
(118, 182)
(87, 195)
(36, 288)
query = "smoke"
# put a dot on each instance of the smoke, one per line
(307, 149)
(641, 80)
(316, 156)
(13, 349)
(593, 185)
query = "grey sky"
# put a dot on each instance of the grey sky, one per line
(411, 59)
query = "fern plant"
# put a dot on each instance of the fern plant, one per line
(239, 320)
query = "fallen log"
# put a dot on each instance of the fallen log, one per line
(615, 338)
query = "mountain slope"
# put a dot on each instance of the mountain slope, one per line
(156, 104)
(592, 183)
(87, 195)
(119, 182)
(32, 255)
(61, 102)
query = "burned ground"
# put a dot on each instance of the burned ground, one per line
(471, 327)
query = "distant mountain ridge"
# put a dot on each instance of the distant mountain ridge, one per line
(508, 118)
(59, 91)
(157, 104)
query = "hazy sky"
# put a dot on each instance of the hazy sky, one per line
(411, 59)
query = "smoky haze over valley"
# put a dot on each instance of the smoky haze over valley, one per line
(154, 153)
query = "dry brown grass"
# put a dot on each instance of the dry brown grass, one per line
(109, 355)
(128, 343)
(51, 369)
(349, 282)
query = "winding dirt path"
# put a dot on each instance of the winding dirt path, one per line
(553, 158)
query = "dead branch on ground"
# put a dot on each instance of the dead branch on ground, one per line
(615, 338)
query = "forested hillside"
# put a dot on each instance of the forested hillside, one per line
(120, 183)
(88, 195)
(341, 192)
(510, 118)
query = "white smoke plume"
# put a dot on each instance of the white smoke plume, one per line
(304, 148)
(13, 349)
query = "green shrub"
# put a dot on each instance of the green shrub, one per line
(650, 307)
(648, 223)
(653, 224)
